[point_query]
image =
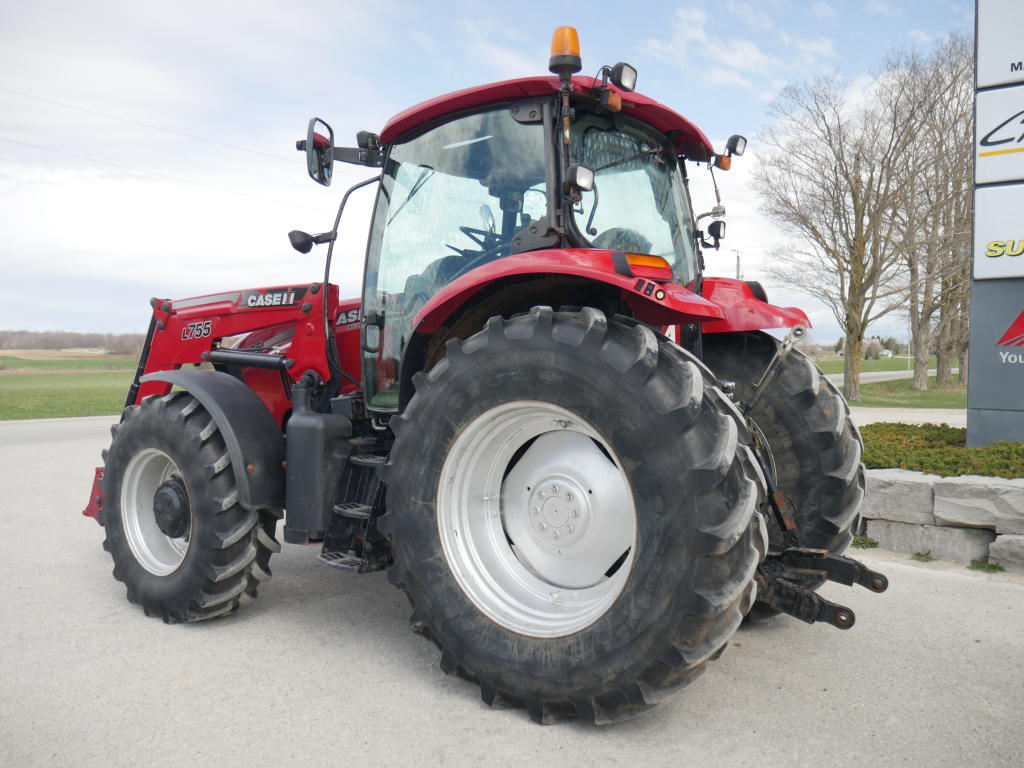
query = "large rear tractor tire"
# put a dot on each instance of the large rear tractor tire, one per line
(815, 449)
(181, 543)
(575, 514)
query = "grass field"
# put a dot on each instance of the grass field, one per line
(85, 387)
(901, 394)
(835, 365)
(53, 395)
(98, 363)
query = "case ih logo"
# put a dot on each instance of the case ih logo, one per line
(278, 297)
(1014, 337)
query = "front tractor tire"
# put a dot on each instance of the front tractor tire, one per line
(183, 546)
(574, 514)
(813, 448)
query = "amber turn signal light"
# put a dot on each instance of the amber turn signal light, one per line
(651, 267)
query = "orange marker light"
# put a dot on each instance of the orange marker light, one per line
(651, 267)
(646, 260)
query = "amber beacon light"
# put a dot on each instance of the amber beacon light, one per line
(565, 52)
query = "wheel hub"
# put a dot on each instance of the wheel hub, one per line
(155, 511)
(536, 518)
(559, 510)
(171, 509)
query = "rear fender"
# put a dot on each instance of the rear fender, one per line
(254, 440)
(742, 310)
(652, 302)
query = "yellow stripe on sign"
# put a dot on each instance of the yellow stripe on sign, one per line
(1000, 152)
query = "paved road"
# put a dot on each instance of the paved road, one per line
(322, 668)
(866, 377)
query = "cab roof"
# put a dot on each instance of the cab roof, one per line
(688, 139)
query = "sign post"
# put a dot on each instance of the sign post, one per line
(995, 398)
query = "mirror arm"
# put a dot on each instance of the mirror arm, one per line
(372, 158)
(702, 241)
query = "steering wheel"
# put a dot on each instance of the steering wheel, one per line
(487, 239)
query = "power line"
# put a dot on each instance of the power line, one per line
(171, 131)
(151, 126)
(156, 174)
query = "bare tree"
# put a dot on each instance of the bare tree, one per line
(833, 172)
(875, 220)
(933, 218)
(118, 344)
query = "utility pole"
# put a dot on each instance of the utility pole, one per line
(739, 270)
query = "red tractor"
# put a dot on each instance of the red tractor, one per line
(582, 461)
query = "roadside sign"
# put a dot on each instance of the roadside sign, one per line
(995, 397)
(999, 142)
(1000, 43)
(999, 232)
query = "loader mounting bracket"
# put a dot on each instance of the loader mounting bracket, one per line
(778, 583)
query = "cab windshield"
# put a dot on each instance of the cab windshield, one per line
(639, 203)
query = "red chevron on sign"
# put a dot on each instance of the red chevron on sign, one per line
(1014, 336)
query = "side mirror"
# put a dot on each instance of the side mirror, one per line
(303, 242)
(716, 231)
(319, 148)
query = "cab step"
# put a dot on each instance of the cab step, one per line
(354, 510)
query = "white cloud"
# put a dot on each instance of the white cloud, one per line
(858, 92)
(500, 52)
(740, 61)
(101, 238)
(721, 76)
(816, 48)
(919, 36)
(881, 8)
(822, 10)
(748, 14)
(769, 94)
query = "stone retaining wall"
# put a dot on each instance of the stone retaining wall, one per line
(953, 518)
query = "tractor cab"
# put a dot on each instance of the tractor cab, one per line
(542, 165)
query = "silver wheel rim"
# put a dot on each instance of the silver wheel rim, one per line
(155, 551)
(565, 505)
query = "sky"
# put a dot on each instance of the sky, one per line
(147, 149)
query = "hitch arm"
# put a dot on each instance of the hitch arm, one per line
(778, 584)
(837, 568)
(809, 606)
